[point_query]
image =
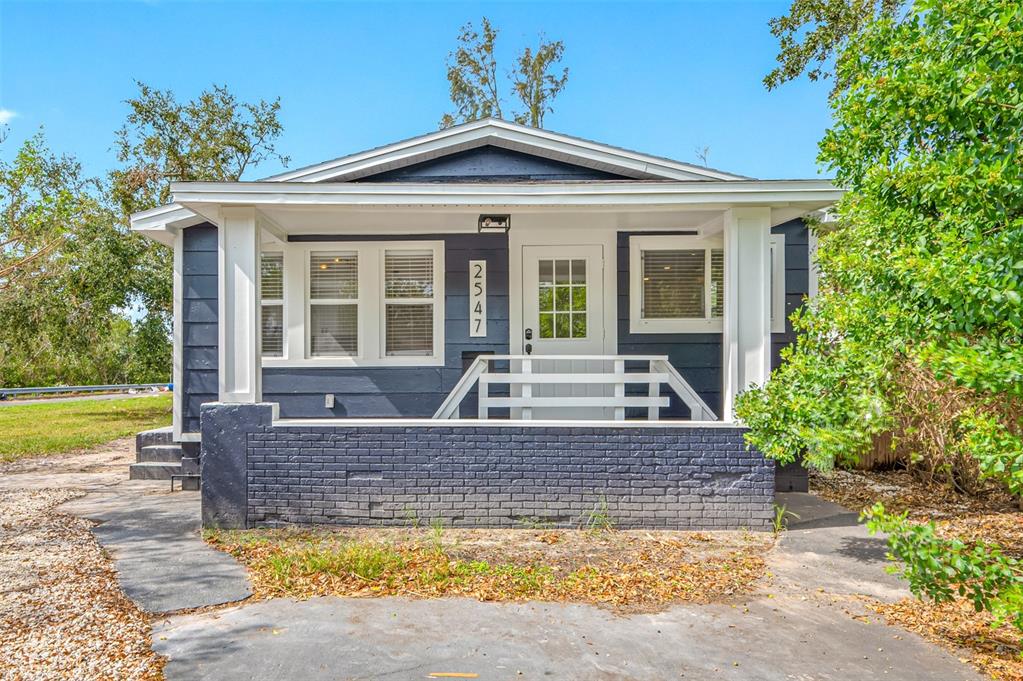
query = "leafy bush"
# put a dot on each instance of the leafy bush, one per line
(918, 328)
(944, 569)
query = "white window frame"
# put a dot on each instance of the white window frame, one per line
(371, 334)
(638, 244)
(777, 245)
(275, 301)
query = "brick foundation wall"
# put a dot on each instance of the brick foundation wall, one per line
(473, 475)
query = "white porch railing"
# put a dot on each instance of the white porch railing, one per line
(525, 373)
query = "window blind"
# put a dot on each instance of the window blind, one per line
(272, 329)
(673, 284)
(271, 289)
(408, 319)
(408, 274)
(717, 283)
(333, 276)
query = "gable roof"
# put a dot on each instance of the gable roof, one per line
(512, 136)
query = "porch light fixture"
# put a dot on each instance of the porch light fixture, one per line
(494, 224)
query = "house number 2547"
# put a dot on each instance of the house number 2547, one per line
(477, 298)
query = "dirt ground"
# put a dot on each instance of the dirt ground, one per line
(62, 613)
(992, 516)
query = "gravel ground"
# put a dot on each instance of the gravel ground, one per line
(62, 613)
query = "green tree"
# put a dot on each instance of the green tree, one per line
(919, 324)
(213, 138)
(474, 84)
(82, 298)
(814, 32)
(535, 85)
(64, 262)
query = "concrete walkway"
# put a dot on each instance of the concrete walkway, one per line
(798, 626)
(162, 562)
(791, 630)
(153, 535)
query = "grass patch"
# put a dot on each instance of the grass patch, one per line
(625, 570)
(58, 427)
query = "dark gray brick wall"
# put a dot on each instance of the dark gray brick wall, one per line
(468, 475)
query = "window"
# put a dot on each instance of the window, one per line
(271, 291)
(378, 303)
(409, 297)
(677, 284)
(333, 304)
(562, 302)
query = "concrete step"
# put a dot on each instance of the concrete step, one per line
(157, 436)
(159, 453)
(153, 470)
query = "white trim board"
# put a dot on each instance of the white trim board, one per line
(499, 423)
(177, 342)
(716, 195)
(500, 133)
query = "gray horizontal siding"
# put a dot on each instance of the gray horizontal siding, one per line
(490, 164)
(377, 392)
(199, 322)
(797, 280)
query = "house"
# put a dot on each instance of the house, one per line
(484, 324)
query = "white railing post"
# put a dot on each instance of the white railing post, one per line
(653, 390)
(483, 394)
(527, 389)
(620, 388)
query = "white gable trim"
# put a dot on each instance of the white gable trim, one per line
(812, 194)
(492, 131)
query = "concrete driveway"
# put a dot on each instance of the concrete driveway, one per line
(799, 626)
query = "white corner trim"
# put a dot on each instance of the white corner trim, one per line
(778, 316)
(507, 135)
(813, 270)
(177, 344)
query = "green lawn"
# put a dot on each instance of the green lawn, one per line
(58, 427)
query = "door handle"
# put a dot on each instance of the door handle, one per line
(529, 348)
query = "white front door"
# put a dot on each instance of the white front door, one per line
(563, 314)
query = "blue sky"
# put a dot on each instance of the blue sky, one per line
(663, 77)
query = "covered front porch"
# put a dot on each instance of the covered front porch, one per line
(605, 301)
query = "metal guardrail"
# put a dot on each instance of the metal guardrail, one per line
(7, 393)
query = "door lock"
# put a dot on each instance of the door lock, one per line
(529, 334)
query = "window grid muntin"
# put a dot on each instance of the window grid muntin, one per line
(562, 298)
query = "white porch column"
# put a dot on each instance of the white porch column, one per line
(238, 305)
(746, 339)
